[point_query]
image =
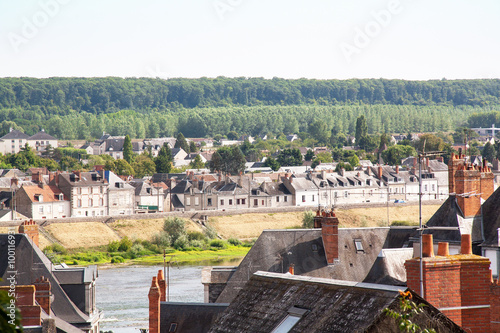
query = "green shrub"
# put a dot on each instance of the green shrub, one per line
(308, 219)
(197, 244)
(75, 262)
(249, 243)
(401, 223)
(162, 239)
(234, 241)
(113, 246)
(196, 235)
(218, 244)
(181, 243)
(175, 227)
(125, 244)
(210, 232)
(136, 250)
(55, 248)
(117, 259)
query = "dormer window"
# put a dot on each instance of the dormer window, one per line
(60, 196)
(39, 197)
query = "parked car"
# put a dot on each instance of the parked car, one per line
(399, 201)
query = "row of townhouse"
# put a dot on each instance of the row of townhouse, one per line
(373, 184)
(85, 194)
(14, 141)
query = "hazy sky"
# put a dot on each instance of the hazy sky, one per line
(324, 39)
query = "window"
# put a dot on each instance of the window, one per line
(196, 201)
(91, 190)
(79, 190)
(255, 202)
(303, 198)
(359, 245)
(433, 187)
(243, 201)
(188, 201)
(222, 202)
(91, 202)
(209, 202)
(277, 198)
(313, 197)
(262, 202)
(173, 328)
(40, 209)
(293, 317)
(345, 194)
(238, 201)
(101, 202)
(230, 202)
(425, 188)
(79, 203)
(285, 198)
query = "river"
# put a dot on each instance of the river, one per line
(122, 294)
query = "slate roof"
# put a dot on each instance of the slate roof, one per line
(62, 307)
(189, 317)
(16, 135)
(115, 144)
(42, 135)
(325, 305)
(276, 250)
(491, 219)
(85, 180)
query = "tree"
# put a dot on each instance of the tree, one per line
(290, 157)
(164, 160)
(345, 166)
(228, 160)
(309, 155)
(123, 168)
(489, 152)
(361, 129)
(143, 165)
(319, 131)
(432, 143)
(181, 142)
(192, 147)
(395, 154)
(232, 135)
(175, 227)
(272, 163)
(197, 163)
(324, 157)
(128, 152)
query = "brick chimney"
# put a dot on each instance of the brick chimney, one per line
(379, 172)
(42, 294)
(99, 168)
(30, 228)
(154, 307)
(291, 269)
(470, 183)
(14, 182)
(458, 285)
(397, 169)
(329, 225)
(37, 177)
(25, 301)
(162, 284)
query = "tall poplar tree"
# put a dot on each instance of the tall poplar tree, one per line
(128, 152)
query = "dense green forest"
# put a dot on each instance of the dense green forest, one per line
(83, 108)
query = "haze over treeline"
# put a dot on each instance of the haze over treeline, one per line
(82, 108)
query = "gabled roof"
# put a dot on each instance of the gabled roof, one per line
(189, 317)
(15, 135)
(42, 135)
(321, 305)
(276, 250)
(49, 193)
(491, 219)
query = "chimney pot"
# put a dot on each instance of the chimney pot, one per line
(466, 244)
(291, 269)
(443, 249)
(427, 246)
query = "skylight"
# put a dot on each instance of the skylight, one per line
(293, 317)
(359, 245)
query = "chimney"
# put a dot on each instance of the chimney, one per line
(427, 246)
(323, 174)
(14, 182)
(25, 301)
(291, 269)
(368, 171)
(379, 172)
(52, 177)
(99, 168)
(443, 249)
(37, 177)
(30, 228)
(466, 244)
(162, 285)
(42, 294)
(458, 285)
(397, 169)
(154, 307)
(329, 225)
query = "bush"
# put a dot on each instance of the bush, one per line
(218, 244)
(181, 243)
(210, 232)
(308, 219)
(175, 227)
(117, 259)
(162, 240)
(249, 243)
(234, 241)
(125, 244)
(55, 248)
(197, 244)
(196, 235)
(401, 223)
(113, 246)
(136, 250)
